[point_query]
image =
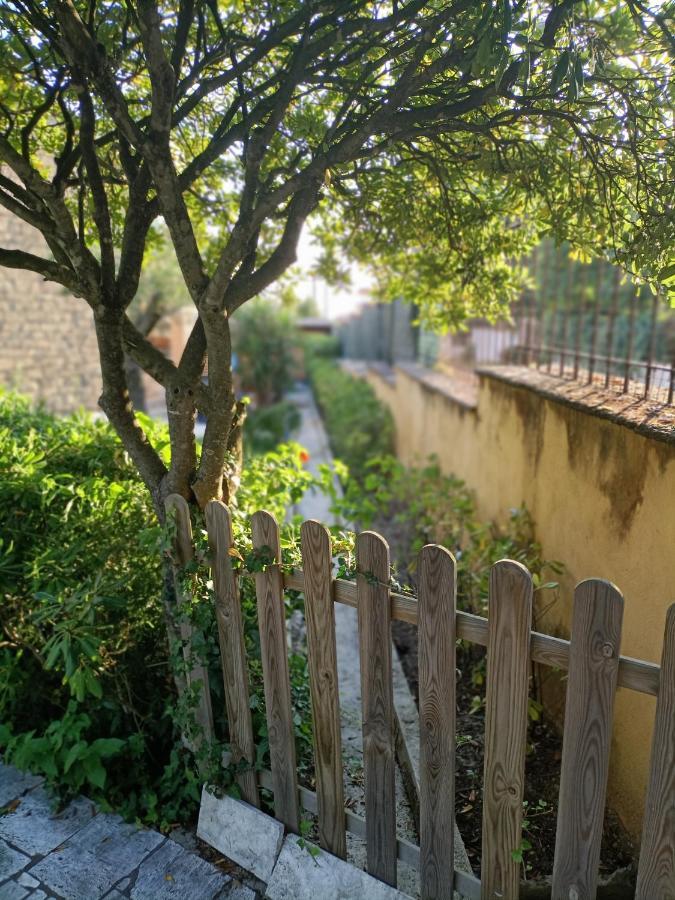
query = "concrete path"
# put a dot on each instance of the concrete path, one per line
(312, 435)
(83, 854)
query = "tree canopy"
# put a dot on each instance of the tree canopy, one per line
(434, 141)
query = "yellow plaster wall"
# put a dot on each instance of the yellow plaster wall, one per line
(603, 500)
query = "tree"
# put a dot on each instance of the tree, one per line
(434, 140)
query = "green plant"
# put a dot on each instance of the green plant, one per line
(87, 691)
(267, 426)
(359, 426)
(419, 505)
(263, 340)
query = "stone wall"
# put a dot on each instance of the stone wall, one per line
(600, 487)
(47, 342)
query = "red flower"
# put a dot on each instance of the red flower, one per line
(304, 456)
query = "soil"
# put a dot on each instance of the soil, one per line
(542, 766)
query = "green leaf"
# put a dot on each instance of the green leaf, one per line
(560, 71)
(94, 771)
(105, 747)
(77, 751)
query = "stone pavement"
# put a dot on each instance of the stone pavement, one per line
(83, 854)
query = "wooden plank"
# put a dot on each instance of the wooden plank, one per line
(437, 679)
(323, 682)
(374, 615)
(635, 674)
(509, 623)
(656, 871)
(591, 686)
(272, 624)
(466, 885)
(197, 673)
(232, 649)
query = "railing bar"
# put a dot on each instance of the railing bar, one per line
(596, 312)
(635, 674)
(652, 344)
(566, 308)
(581, 313)
(610, 327)
(631, 338)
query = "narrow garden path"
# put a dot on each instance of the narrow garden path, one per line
(314, 505)
(83, 854)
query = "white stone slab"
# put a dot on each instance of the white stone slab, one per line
(14, 783)
(171, 873)
(241, 833)
(301, 875)
(11, 861)
(36, 829)
(117, 843)
(12, 890)
(75, 873)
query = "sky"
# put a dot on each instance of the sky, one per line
(333, 303)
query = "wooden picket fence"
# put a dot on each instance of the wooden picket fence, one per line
(591, 658)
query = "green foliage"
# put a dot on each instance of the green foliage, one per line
(268, 426)
(263, 340)
(358, 425)
(422, 505)
(87, 691)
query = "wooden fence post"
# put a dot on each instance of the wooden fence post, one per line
(656, 871)
(377, 699)
(269, 587)
(184, 551)
(508, 657)
(437, 683)
(232, 649)
(587, 735)
(323, 682)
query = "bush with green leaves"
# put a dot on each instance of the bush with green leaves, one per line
(419, 505)
(264, 341)
(87, 690)
(359, 426)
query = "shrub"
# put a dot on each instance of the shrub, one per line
(268, 426)
(414, 506)
(358, 425)
(87, 693)
(264, 339)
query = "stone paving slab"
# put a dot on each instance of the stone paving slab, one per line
(81, 854)
(254, 843)
(174, 874)
(11, 861)
(301, 875)
(36, 829)
(75, 873)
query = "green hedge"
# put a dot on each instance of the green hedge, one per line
(359, 426)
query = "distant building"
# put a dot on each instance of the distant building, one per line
(48, 346)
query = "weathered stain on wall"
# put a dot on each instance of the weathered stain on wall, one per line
(602, 497)
(47, 340)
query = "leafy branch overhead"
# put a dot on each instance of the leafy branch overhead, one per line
(433, 141)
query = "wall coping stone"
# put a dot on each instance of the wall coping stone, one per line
(649, 418)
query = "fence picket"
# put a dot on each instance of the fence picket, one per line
(232, 650)
(184, 549)
(656, 871)
(436, 636)
(509, 623)
(591, 686)
(374, 615)
(272, 625)
(323, 682)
